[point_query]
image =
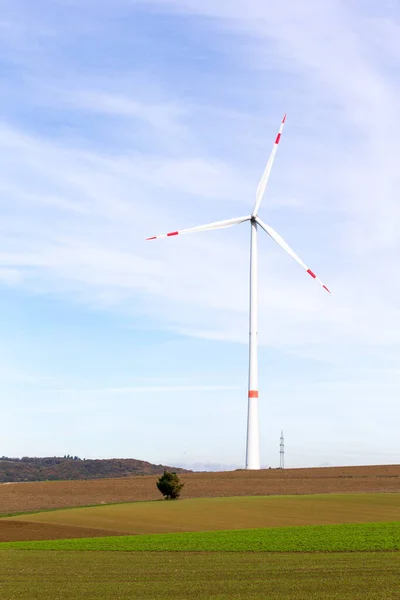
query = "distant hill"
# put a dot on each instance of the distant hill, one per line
(72, 467)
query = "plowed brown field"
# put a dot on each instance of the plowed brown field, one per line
(16, 531)
(21, 497)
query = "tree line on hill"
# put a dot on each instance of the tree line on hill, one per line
(55, 468)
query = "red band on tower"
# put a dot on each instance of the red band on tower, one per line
(253, 393)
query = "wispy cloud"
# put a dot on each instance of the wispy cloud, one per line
(163, 117)
(145, 389)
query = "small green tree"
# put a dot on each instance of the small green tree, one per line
(170, 485)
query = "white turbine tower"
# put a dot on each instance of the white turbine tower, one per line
(252, 444)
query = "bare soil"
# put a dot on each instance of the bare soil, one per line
(22, 497)
(16, 531)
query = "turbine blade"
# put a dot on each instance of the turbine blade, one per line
(216, 225)
(265, 176)
(281, 242)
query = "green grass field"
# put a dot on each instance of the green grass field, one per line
(185, 576)
(208, 514)
(356, 537)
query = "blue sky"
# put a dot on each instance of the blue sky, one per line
(122, 119)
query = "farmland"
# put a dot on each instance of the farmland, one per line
(366, 537)
(206, 514)
(43, 495)
(199, 576)
(330, 534)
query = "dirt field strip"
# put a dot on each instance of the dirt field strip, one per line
(327, 480)
(20, 531)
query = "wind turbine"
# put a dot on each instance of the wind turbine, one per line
(252, 442)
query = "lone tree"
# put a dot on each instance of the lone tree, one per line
(170, 485)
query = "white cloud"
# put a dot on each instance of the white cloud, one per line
(10, 276)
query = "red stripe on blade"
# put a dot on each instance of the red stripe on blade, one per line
(325, 288)
(152, 238)
(284, 119)
(311, 273)
(173, 233)
(278, 137)
(253, 393)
